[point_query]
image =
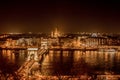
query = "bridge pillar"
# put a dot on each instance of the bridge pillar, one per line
(44, 44)
(32, 54)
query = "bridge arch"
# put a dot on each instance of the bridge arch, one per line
(32, 54)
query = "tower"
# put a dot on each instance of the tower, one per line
(56, 34)
(32, 54)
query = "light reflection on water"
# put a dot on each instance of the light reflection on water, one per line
(82, 62)
(69, 62)
(11, 60)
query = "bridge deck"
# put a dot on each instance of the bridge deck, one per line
(24, 69)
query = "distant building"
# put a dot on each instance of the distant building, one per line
(55, 33)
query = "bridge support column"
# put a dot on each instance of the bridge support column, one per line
(44, 44)
(32, 54)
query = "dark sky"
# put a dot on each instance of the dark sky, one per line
(68, 16)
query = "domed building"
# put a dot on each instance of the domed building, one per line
(55, 33)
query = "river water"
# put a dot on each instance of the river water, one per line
(65, 62)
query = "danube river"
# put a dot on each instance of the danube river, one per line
(65, 62)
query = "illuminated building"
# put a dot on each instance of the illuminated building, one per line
(55, 33)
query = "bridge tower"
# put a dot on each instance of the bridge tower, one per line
(32, 54)
(44, 44)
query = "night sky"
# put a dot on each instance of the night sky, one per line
(68, 16)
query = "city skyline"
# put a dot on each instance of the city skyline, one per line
(68, 16)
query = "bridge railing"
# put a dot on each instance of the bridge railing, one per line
(28, 64)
